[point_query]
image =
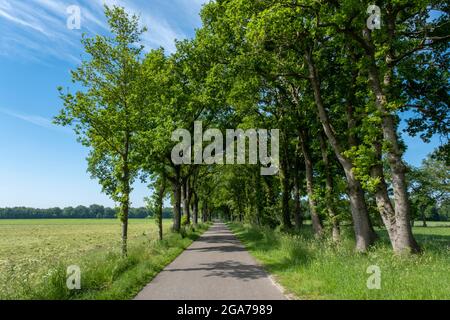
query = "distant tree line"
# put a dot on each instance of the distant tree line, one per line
(80, 212)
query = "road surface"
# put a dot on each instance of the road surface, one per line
(215, 267)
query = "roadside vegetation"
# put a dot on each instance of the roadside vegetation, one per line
(310, 268)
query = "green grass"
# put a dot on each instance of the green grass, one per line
(318, 269)
(433, 223)
(34, 256)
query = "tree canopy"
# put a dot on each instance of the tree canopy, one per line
(334, 88)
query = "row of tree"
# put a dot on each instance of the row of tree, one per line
(80, 212)
(316, 71)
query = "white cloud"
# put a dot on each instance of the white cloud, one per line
(161, 32)
(21, 22)
(33, 119)
(36, 29)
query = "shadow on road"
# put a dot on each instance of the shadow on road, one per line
(230, 248)
(227, 269)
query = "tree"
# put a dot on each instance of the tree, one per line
(156, 202)
(107, 114)
(278, 29)
(407, 29)
(324, 55)
(429, 186)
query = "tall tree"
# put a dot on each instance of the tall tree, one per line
(107, 114)
(407, 29)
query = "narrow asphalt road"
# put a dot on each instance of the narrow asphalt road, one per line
(215, 267)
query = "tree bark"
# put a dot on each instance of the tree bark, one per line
(259, 199)
(185, 196)
(195, 208)
(404, 238)
(382, 199)
(317, 225)
(124, 231)
(271, 198)
(204, 211)
(336, 233)
(240, 211)
(125, 197)
(159, 205)
(284, 177)
(176, 185)
(298, 216)
(187, 200)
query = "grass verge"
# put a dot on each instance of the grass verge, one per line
(318, 269)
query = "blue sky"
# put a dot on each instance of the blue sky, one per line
(42, 165)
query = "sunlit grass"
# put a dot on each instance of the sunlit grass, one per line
(34, 255)
(319, 269)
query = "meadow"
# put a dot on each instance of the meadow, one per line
(35, 254)
(318, 269)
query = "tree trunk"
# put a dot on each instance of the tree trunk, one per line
(160, 225)
(336, 234)
(364, 234)
(159, 205)
(298, 217)
(195, 208)
(424, 219)
(241, 210)
(317, 225)
(271, 199)
(382, 199)
(124, 231)
(176, 184)
(125, 197)
(185, 198)
(259, 199)
(204, 212)
(284, 177)
(404, 238)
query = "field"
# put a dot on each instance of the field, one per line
(318, 269)
(34, 255)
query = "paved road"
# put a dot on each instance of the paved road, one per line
(215, 267)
